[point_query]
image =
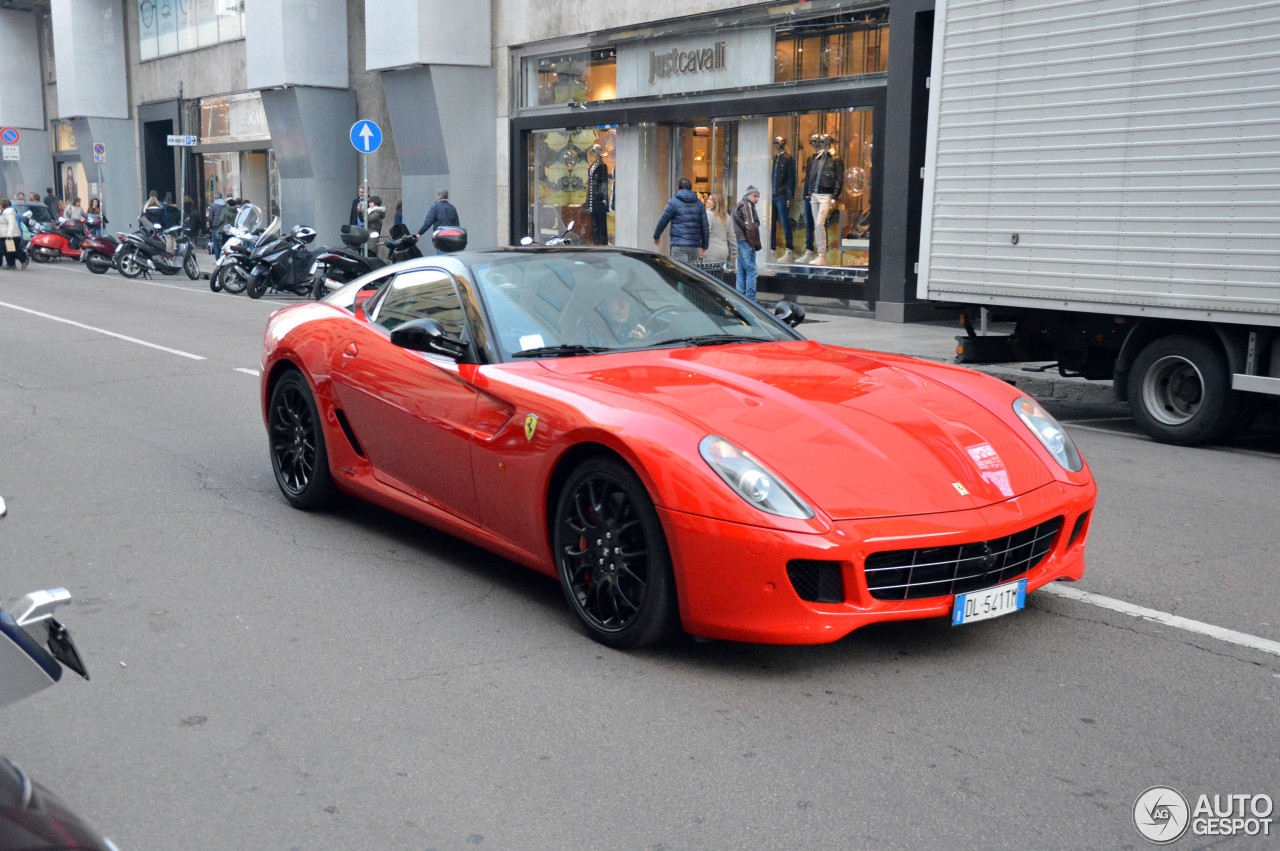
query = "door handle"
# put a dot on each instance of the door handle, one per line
(350, 351)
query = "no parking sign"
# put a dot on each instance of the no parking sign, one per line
(9, 135)
(99, 152)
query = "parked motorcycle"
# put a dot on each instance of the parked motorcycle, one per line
(142, 253)
(97, 253)
(566, 236)
(231, 271)
(335, 267)
(34, 648)
(402, 245)
(68, 239)
(282, 264)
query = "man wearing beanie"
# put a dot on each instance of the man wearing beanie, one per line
(746, 226)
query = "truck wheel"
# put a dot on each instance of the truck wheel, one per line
(1180, 391)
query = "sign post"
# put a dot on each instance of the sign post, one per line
(177, 142)
(9, 137)
(366, 137)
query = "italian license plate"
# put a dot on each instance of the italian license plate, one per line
(989, 603)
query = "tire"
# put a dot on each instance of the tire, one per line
(215, 281)
(191, 267)
(257, 287)
(296, 442)
(318, 290)
(97, 264)
(1180, 391)
(612, 557)
(38, 256)
(128, 264)
(234, 279)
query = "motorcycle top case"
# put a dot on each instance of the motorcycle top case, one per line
(449, 239)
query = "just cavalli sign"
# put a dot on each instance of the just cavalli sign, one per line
(663, 65)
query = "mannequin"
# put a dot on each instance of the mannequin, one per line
(815, 143)
(828, 183)
(598, 196)
(784, 189)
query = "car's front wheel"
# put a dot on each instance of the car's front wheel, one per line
(298, 455)
(612, 556)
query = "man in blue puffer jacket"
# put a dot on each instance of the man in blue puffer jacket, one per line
(688, 218)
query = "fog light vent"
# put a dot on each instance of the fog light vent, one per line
(1078, 528)
(817, 581)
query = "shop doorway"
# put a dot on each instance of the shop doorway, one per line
(158, 160)
(706, 154)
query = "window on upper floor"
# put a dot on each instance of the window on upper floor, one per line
(166, 27)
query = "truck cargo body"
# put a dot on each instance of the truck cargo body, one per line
(1106, 173)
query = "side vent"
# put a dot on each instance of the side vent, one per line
(351, 435)
(1081, 522)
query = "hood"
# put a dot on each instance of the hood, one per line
(688, 196)
(856, 436)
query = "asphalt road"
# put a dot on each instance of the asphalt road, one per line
(265, 678)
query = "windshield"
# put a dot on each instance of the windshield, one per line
(39, 212)
(585, 302)
(249, 217)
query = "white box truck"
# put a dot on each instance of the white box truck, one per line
(1106, 174)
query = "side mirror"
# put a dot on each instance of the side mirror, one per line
(524, 240)
(427, 335)
(373, 234)
(791, 314)
(157, 226)
(570, 227)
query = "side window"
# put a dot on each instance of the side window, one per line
(422, 294)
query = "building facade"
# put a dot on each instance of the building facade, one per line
(539, 119)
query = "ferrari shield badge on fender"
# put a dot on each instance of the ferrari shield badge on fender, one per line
(530, 426)
(959, 487)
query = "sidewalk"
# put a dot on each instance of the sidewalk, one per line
(937, 341)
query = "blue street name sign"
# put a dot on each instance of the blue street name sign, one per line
(366, 137)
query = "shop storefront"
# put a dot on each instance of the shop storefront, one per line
(234, 155)
(70, 179)
(602, 133)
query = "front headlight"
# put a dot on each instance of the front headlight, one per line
(751, 480)
(1049, 432)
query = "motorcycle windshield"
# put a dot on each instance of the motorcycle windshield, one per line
(249, 217)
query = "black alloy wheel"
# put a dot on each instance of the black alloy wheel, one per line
(298, 455)
(612, 557)
(128, 262)
(97, 263)
(234, 278)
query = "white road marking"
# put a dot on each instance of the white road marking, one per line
(193, 287)
(252, 372)
(103, 331)
(1228, 635)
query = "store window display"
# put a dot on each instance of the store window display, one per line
(833, 188)
(572, 177)
(582, 77)
(784, 190)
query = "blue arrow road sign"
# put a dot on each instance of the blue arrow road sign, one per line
(366, 136)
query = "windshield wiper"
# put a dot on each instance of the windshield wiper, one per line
(565, 350)
(711, 340)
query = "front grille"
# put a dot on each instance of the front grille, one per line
(958, 569)
(816, 581)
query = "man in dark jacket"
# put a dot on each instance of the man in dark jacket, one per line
(688, 218)
(442, 213)
(746, 226)
(51, 202)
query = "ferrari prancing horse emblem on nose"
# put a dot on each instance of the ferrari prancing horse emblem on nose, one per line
(530, 426)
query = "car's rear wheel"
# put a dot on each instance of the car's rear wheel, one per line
(612, 556)
(298, 455)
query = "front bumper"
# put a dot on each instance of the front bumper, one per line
(733, 580)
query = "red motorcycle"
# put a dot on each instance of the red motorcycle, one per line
(72, 240)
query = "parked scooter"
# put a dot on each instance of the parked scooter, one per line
(565, 237)
(67, 239)
(142, 253)
(335, 267)
(282, 264)
(34, 648)
(231, 271)
(97, 253)
(403, 244)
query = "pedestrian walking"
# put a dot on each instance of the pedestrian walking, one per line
(11, 236)
(746, 227)
(74, 211)
(688, 219)
(441, 214)
(95, 209)
(51, 201)
(375, 213)
(718, 244)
